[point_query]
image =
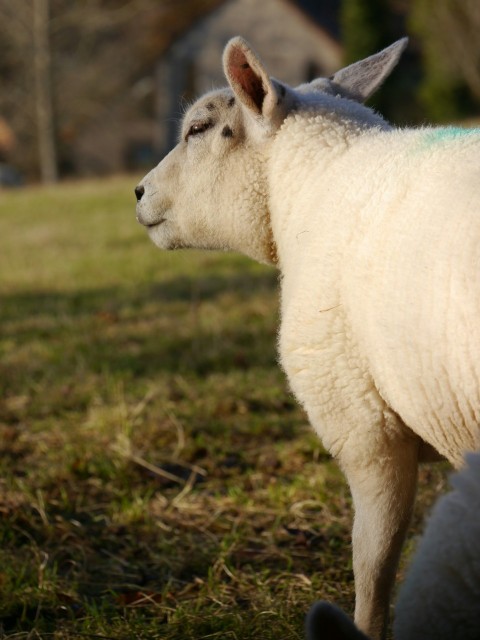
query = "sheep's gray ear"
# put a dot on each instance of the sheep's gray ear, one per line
(248, 78)
(325, 621)
(359, 80)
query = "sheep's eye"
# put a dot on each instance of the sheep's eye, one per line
(198, 127)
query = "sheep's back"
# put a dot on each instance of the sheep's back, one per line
(378, 236)
(412, 288)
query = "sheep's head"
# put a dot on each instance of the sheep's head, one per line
(211, 190)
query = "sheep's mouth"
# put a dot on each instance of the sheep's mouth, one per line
(150, 225)
(156, 224)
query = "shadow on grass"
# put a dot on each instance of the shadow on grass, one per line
(144, 330)
(18, 306)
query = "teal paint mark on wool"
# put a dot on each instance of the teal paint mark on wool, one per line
(446, 134)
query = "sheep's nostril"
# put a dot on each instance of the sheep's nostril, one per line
(139, 191)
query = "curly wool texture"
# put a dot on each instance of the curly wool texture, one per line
(392, 252)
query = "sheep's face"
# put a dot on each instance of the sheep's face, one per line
(209, 191)
(179, 194)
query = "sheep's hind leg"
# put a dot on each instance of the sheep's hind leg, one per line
(383, 483)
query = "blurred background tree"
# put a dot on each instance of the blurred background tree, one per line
(449, 35)
(370, 25)
(65, 64)
(438, 79)
(366, 27)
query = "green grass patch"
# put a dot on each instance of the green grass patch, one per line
(157, 478)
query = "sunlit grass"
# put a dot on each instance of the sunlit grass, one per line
(157, 478)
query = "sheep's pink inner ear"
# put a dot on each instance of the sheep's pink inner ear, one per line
(248, 83)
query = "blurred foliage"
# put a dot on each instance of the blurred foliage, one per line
(439, 76)
(370, 25)
(365, 27)
(448, 32)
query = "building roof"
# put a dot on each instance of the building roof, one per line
(323, 14)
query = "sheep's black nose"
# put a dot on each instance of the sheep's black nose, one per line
(139, 191)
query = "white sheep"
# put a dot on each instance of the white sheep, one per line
(440, 598)
(376, 233)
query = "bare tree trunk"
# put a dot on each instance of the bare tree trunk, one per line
(43, 92)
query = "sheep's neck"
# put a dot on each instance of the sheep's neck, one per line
(304, 178)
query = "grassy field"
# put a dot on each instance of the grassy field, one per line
(157, 478)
